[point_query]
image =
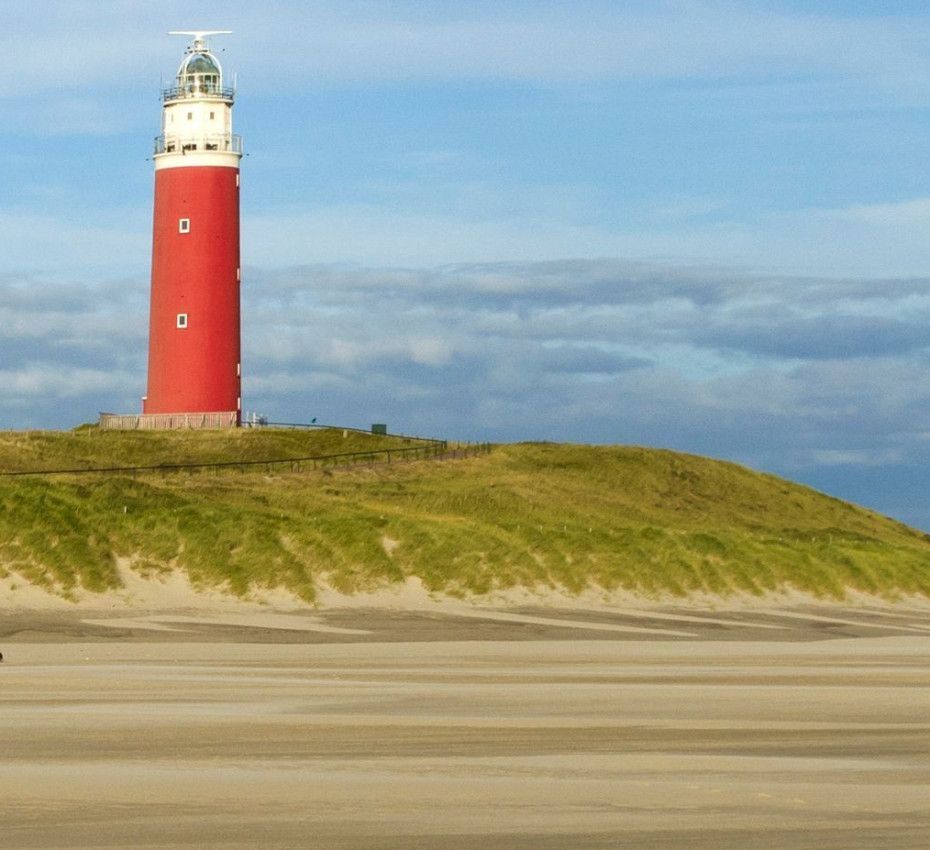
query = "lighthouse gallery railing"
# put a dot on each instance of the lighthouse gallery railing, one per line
(191, 144)
(189, 90)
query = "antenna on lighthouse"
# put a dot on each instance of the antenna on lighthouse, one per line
(199, 36)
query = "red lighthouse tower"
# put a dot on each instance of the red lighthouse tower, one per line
(194, 351)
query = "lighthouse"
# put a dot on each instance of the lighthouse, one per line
(194, 367)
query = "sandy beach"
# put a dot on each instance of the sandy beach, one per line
(801, 726)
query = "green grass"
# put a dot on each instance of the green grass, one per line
(645, 520)
(88, 446)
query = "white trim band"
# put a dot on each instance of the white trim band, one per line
(224, 159)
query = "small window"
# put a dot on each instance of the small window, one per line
(182, 320)
(212, 115)
(190, 116)
(184, 225)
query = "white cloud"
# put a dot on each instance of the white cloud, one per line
(118, 43)
(890, 240)
(36, 242)
(914, 212)
(776, 372)
(861, 457)
(59, 381)
(373, 235)
(578, 41)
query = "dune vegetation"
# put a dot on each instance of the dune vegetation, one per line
(537, 515)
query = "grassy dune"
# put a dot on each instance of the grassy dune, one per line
(88, 446)
(646, 520)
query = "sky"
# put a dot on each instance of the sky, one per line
(697, 225)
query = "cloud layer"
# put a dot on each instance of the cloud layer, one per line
(822, 380)
(516, 39)
(819, 379)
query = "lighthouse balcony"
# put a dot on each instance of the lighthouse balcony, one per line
(194, 144)
(189, 90)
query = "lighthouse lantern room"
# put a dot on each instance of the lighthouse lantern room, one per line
(194, 372)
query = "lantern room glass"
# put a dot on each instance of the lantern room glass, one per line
(199, 74)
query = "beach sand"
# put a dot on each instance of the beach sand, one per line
(465, 726)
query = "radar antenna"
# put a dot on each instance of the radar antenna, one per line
(199, 36)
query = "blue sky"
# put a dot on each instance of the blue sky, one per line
(701, 225)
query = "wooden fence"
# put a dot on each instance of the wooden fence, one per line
(167, 421)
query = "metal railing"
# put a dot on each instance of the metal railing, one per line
(264, 423)
(227, 143)
(191, 90)
(438, 450)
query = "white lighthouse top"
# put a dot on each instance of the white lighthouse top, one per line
(197, 111)
(200, 73)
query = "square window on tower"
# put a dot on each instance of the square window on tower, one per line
(184, 225)
(182, 320)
